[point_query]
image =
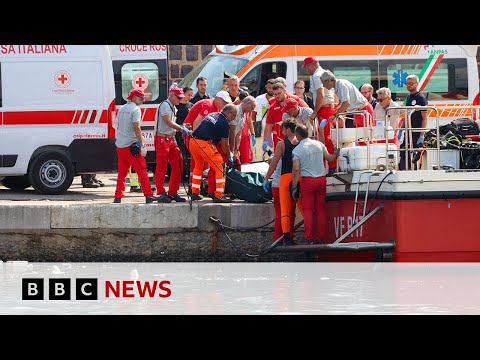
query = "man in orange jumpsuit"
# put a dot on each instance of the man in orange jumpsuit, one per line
(198, 112)
(213, 131)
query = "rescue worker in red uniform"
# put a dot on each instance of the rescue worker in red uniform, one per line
(274, 115)
(308, 163)
(212, 133)
(166, 148)
(128, 133)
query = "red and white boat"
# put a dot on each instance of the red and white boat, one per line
(376, 212)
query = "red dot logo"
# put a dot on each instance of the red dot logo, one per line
(62, 79)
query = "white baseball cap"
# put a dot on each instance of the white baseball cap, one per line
(224, 95)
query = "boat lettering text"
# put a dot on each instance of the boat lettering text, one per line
(344, 223)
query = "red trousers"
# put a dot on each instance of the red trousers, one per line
(360, 120)
(166, 150)
(245, 147)
(312, 196)
(324, 113)
(125, 159)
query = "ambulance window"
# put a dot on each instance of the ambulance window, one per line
(446, 80)
(303, 75)
(356, 75)
(251, 81)
(148, 75)
(358, 72)
(271, 70)
(215, 69)
(0, 84)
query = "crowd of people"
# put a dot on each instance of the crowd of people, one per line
(218, 131)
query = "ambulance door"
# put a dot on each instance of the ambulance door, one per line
(149, 75)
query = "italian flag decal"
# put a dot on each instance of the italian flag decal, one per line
(428, 69)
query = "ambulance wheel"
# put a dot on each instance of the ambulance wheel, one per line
(51, 173)
(16, 182)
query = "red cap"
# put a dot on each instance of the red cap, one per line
(177, 91)
(135, 92)
(309, 60)
(289, 104)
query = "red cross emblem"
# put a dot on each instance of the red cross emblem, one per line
(62, 79)
(140, 81)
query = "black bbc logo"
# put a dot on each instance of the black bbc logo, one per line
(59, 289)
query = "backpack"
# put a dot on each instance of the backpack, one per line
(466, 126)
(470, 156)
(450, 137)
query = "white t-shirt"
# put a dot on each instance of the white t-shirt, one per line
(310, 154)
(239, 121)
(316, 83)
(345, 90)
(127, 115)
(262, 106)
(166, 109)
(394, 115)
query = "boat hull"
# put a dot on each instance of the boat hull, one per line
(424, 227)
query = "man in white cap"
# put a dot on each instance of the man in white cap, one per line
(195, 116)
(166, 148)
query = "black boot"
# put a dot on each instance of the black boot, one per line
(150, 199)
(287, 240)
(87, 181)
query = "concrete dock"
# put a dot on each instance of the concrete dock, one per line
(84, 225)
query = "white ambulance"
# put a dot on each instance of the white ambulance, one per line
(142, 67)
(56, 108)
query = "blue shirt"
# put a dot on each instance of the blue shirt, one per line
(213, 127)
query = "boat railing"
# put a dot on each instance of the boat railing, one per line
(409, 147)
(367, 119)
(369, 135)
